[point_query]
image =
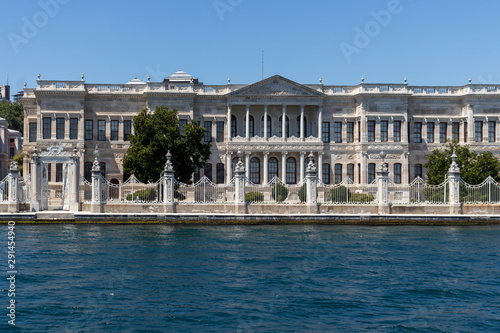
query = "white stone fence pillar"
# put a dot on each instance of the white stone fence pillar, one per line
(453, 177)
(168, 185)
(312, 187)
(239, 183)
(383, 189)
(13, 188)
(96, 204)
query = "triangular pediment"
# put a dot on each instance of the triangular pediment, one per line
(276, 86)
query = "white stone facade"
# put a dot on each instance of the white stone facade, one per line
(345, 127)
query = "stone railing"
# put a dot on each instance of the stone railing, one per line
(61, 85)
(115, 88)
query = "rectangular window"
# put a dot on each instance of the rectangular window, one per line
(350, 172)
(479, 131)
(465, 132)
(430, 132)
(492, 131)
(32, 132)
(182, 124)
(455, 131)
(350, 131)
(220, 131)
(49, 172)
(383, 130)
(196, 175)
(326, 131)
(12, 152)
(89, 130)
(337, 132)
(371, 172)
(208, 131)
(443, 132)
(46, 127)
(325, 173)
(417, 132)
(417, 170)
(59, 128)
(127, 129)
(208, 171)
(371, 130)
(59, 172)
(220, 173)
(338, 173)
(73, 128)
(396, 126)
(397, 173)
(114, 130)
(101, 130)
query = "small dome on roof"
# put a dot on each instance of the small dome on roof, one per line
(135, 81)
(180, 76)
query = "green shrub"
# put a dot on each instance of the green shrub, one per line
(254, 196)
(144, 195)
(361, 197)
(279, 192)
(339, 194)
(303, 193)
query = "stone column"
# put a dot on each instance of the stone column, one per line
(283, 167)
(301, 125)
(266, 168)
(168, 185)
(320, 121)
(454, 186)
(239, 191)
(404, 130)
(96, 204)
(320, 163)
(247, 165)
(229, 167)
(36, 180)
(383, 189)
(247, 123)
(364, 168)
(13, 188)
(229, 123)
(283, 124)
(302, 163)
(265, 123)
(311, 185)
(74, 182)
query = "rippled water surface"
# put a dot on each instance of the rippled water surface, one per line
(160, 278)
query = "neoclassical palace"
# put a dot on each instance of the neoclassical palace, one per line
(276, 123)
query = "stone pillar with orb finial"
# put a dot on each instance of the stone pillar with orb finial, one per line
(239, 184)
(312, 186)
(453, 176)
(96, 204)
(36, 180)
(168, 185)
(13, 178)
(383, 186)
(74, 182)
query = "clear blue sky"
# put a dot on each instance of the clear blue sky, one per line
(430, 42)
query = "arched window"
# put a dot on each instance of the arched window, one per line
(272, 168)
(325, 173)
(87, 171)
(371, 172)
(220, 173)
(338, 173)
(397, 173)
(114, 191)
(269, 126)
(208, 171)
(251, 125)
(234, 123)
(291, 171)
(287, 127)
(255, 170)
(297, 132)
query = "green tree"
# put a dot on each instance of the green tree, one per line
(474, 168)
(19, 160)
(14, 114)
(155, 133)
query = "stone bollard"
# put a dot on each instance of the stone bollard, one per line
(13, 188)
(168, 186)
(453, 176)
(96, 204)
(239, 192)
(312, 188)
(383, 189)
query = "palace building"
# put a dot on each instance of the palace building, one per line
(276, 123)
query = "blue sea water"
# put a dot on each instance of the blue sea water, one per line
(161, 278)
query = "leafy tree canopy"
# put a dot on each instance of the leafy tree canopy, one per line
(155, 133)
(13, 113)
(19, 160)
(474, 167)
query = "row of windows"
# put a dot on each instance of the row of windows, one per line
(251, 126)
(455, 132)
(219, 131)
(371, 127)
(73, 129)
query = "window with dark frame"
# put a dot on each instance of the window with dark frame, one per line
(350, 171)
(291, 171)
(465, 131)
(87, 171)
(397, 173)
(234, 124)
(371, 172)
(478, 131)
(417, 132)
(220, 131)
(46, 127)
(32, 132)
(455, 131)
(417, 170)
(59, 172)
(127, 129)
(219, 171)
(338, 173)
(443, 132)
(326, 132)
(396, 129)
(325, 173)
(59, 128)
(255, 170)
(430, 132)
(371, 130)
(272, 168)
(114, 130)
(350, 131)
(337, 132)
(207, 172)
(208, 131)
(297, 127)
(492, 131)
(89, 130)
(101, 130)
(73, 128)
(384, 136)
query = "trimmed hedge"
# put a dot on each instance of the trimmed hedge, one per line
(144, 195)
(254, 196)
(279, 192)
